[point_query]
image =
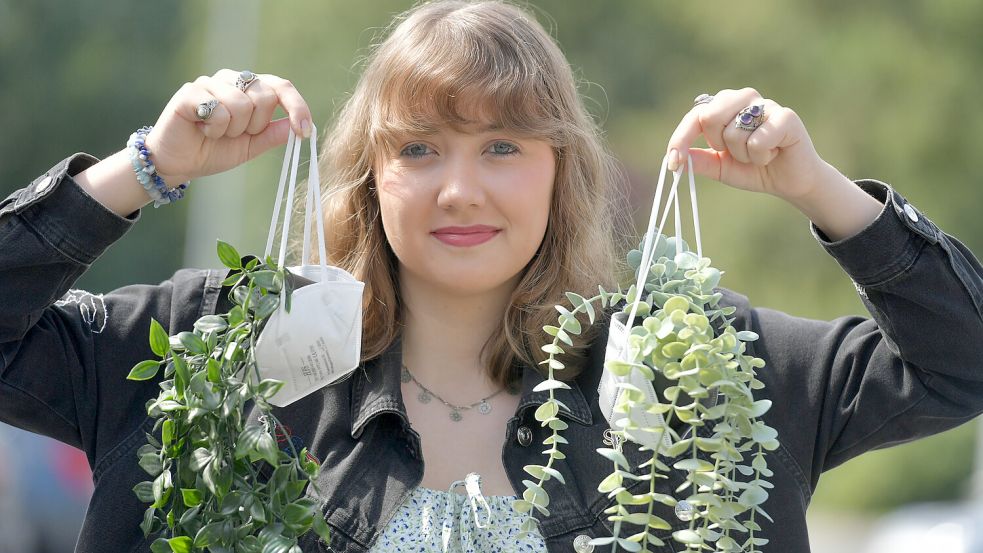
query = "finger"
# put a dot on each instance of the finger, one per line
(735, 138)
(189, 97)
(777, 132)
(721, 166)
(293, 103)
(709, 119)
(718, 114)
(239, 105)
(275, 134)
(264, 104)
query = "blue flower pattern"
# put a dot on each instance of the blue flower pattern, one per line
(438, 521)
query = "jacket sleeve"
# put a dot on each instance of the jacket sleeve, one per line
(915, 368)
(64, 352)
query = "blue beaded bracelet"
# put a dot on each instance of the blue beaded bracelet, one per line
(146, 172)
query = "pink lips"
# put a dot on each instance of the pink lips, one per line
(465, 236)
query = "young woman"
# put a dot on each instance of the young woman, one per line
(468, 191)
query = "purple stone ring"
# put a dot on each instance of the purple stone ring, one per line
(751, 117)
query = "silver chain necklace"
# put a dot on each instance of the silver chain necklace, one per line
(426, 395)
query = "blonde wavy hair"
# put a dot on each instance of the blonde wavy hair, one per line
(441, 61)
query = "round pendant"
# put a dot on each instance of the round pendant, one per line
(456, 415)
(484, 408)
(424, 397)
(404, 375)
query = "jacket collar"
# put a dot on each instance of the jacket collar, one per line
(376, 390)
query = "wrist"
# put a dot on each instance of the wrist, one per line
(146, 171)
(171, 180)
(836, 205)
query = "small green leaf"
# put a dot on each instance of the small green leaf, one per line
(298, 514)
(551, 385)
(151, 463)
(552, 348)
(688, 537)
(144, 370)
(615, 456)
(190, 496)
(181, 372)
(144, 491)
(547, 411)
(676, 303)
(211, 323)
(254, 437)
(754, 495)
(180, 545)
(229, 256)
(192, 342)
(209, 534)
(521, 506)
(269, 387)
(158, 338)
(264, 279)
(167, 432)
(321, 528)
(747, 336)
(214, 371)
(693, 464)
(199, 458)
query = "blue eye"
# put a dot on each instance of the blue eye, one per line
(415, 150)
(504, 149)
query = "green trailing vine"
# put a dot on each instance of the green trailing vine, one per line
(673, 336)
(208, 490)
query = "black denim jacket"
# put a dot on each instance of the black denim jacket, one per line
(839, 387)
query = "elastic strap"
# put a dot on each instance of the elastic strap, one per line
(291, 161)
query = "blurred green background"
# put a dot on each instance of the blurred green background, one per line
(888, 89)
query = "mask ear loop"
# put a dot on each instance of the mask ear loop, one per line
(314, 204)
(279, 194)
(696, 211)
(648, 247)
(295, 161)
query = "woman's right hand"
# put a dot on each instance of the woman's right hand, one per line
(241, 126)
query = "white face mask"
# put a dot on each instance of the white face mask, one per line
(608, 390)
(320, 340)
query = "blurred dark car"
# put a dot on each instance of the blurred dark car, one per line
(44, 489)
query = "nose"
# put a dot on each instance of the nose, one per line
(460, 184)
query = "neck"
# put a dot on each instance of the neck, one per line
(444, 333)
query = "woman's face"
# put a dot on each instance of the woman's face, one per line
(465, 210)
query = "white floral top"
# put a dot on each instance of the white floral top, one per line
(448, 522)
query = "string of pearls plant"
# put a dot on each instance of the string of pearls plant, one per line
(207, 490)
(674, 337)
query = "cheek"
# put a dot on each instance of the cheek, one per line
(396, 209)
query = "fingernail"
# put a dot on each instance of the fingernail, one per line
(673, 159)
(305, 127)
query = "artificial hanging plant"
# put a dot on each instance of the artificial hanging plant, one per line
(673, 340)
(208, 490)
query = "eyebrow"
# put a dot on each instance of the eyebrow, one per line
(487, 127)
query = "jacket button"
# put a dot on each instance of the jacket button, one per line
(911, 213)
(684, 511)
(44, 185)
(581, 544)
(524, 435)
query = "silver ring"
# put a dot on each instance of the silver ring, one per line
(245, 79)
(205, 109)
(751, 117)
(702, 99)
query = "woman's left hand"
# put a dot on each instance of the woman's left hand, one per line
(776, 157)
(774, 154)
